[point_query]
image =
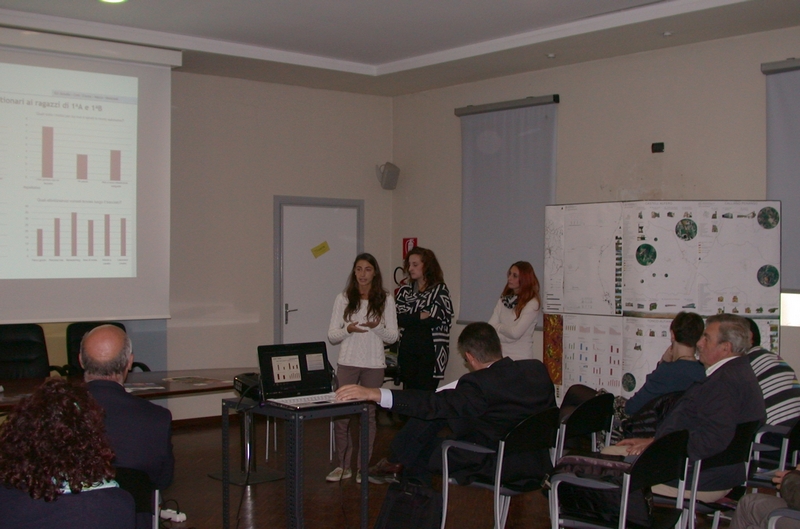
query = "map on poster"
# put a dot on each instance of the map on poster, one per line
(705, 257)
(583, 258)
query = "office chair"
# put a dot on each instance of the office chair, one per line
(75, 333)
(777, 514)
(23, 352)
(534, 434)
(763, 459)
(664, 460)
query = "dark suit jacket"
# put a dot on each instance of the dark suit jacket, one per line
(482, 409)
(107, 508)
(140, 431)
(710, 410)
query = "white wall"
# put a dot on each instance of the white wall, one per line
(705, 101)
(235, 145)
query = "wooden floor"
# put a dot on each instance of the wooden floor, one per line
(327, 505)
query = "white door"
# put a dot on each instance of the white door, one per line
(318, 243)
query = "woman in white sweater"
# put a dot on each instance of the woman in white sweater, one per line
(517, 311)
(363, 320)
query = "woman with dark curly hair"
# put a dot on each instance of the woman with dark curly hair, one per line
(55, 463)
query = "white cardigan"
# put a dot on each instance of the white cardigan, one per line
(516, 335)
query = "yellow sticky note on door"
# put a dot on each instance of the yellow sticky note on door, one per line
(320, 249)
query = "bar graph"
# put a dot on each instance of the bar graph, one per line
(86, 234)
(70, 151)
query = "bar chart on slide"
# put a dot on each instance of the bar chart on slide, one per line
(68, 147)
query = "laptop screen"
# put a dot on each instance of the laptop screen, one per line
(293, 370)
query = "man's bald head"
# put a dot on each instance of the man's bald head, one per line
(106, 353)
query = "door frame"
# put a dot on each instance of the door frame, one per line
(279, 201)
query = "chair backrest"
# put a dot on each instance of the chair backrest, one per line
(576, 395)
(75, 333)
(138, 483)
(738, 450)
(592, 416)
(537, 432)
(663, 461)
(23, 351)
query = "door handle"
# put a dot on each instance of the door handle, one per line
(286, 312)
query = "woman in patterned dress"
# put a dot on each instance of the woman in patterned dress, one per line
(424, 314)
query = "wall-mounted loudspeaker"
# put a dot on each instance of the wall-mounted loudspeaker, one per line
(388, 174)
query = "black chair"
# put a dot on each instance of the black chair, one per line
(737, 452)
(145, 495)
(665, 460)
(75, 333)
(534, 434)
(23, 352)
(592, 416)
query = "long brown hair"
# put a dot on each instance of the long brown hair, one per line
(528, 286)
(431, 270)
(376, 299)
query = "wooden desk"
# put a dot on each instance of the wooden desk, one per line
(219, 380)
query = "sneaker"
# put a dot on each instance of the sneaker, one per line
(385, 472)
(338, 474)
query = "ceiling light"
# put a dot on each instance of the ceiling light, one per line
(666, 34)
(113, 1)
(551, 55)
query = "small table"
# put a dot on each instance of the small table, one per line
(294, 452)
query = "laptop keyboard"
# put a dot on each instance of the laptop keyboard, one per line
(291, 401)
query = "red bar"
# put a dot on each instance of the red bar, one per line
(108, 234)
(74, 230)
(39, 242)
(122, 238)
(83, 166)
(116, 166)
(57, 237)
(91, 238)
(47, 152)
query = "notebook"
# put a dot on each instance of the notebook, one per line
(297, 376)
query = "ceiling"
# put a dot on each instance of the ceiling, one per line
(393, 47)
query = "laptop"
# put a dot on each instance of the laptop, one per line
(297, 376)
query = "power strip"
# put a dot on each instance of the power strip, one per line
(169, 514)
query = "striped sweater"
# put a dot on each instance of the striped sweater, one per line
(778, 384)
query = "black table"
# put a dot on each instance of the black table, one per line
(294, 452)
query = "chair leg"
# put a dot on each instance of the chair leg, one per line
(502, 510)
(332, 441)
(266, 436)
(715, 525)
(156, 508)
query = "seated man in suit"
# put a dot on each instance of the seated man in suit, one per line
(711, 409)
(140, 431)
(753, 510)
(486, 404)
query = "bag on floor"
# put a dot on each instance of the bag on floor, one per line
(601, 505)
(410, 505)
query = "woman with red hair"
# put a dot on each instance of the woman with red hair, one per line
(517, 311)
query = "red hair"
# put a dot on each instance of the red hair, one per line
(528, 286)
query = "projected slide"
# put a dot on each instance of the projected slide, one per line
(67, 173)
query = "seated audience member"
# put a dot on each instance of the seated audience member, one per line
(140, 431)
(711, 409)
(777, 380)
(753, 510)
(488, 401)
(55, 464)
(678, 368)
